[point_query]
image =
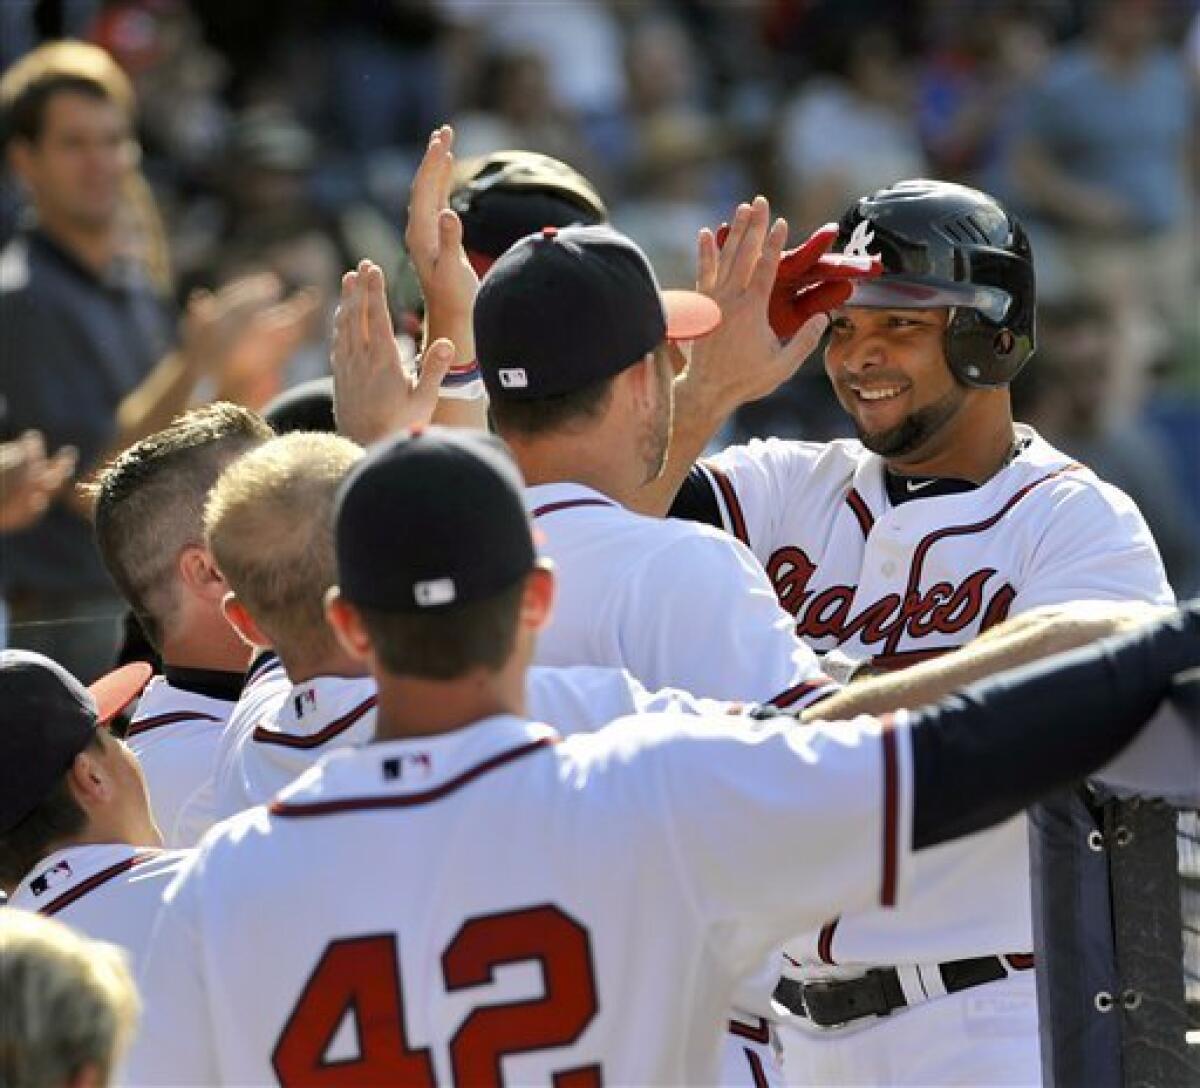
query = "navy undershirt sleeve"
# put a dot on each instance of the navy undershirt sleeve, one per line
(988, 752)
(696, 501)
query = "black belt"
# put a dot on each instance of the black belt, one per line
(878, 993)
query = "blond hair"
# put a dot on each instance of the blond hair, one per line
(69, 1002)
(269, 525)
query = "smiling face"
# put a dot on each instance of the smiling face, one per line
(889, 371)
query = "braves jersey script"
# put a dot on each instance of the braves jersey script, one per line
(499, 904)
(678, 605)
(897, 584)
(174, 733)
(278, 730)
(110, 892)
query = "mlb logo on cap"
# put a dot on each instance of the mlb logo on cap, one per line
(514, 378)
(436, 592)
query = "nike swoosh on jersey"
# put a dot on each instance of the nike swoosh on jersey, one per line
(913, 486)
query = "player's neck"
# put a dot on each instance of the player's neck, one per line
(603, 464)
(974, 447)
(201, 646)
(302, 666)
(410, 707)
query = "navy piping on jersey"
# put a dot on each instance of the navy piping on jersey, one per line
(737, 518)
(157, 721)
(263, 735)
(290, 810)
(759, 1034)
(95, 881)
(857, 504)
(567, 504)
(794, 694)
(891, 812)
(265, 662)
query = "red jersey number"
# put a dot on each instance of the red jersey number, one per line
(361, 977)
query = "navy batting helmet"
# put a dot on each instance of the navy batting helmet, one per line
(946, 245)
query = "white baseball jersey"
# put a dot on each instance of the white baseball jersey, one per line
(112, 892)
(278, 730)
(496, 904)
(174, 733)
(676, 604)
(895, 585)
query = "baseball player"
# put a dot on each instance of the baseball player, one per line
(507, 906)
(942, 519)
(148, 529)
(285, 721)
(77, 838)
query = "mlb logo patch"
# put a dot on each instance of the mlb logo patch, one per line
(514, 378)
(414, 765)
(304, 701)
(51, 878)
(434, 592)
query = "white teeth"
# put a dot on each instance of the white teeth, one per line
(877, 394)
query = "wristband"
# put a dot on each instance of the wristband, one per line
(463, 382)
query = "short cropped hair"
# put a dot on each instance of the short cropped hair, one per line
(269, 525)
(150, 503)
(29, 84)
(560, 412)
(447, 644)
(58, 818)
(69, 1002)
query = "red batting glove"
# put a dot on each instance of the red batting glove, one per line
(810, 281)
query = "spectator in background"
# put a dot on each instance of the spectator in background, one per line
(88, 346)
(1064, 395)
(518, 108)
(851, 130)
(1103, 159)
(70, 1005)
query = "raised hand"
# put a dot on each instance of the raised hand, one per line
(373, 393)
(243, 335)
(29, 480)
(810, 281)
(433, 238)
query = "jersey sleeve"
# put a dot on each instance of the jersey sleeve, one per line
(175, 1042)
(753, 485)
(777, 827)
(1094, 545)
(708, 621)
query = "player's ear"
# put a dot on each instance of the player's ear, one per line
(243, 623)
(537, 599)
(88, 780)
(347, 624)
(198, 571)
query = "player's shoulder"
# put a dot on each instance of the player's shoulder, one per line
(170, 722)
(675, 551)
(840, 457)
(1050, 477)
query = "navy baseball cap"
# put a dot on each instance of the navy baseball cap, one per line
(563, 309)
(304, 407)
(430, 520)
(47, 718)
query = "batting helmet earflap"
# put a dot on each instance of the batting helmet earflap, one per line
(944, 244)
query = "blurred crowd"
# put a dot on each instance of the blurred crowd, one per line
(279, 137)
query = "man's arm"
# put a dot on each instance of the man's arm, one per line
(744, 358)
(1024, 639)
